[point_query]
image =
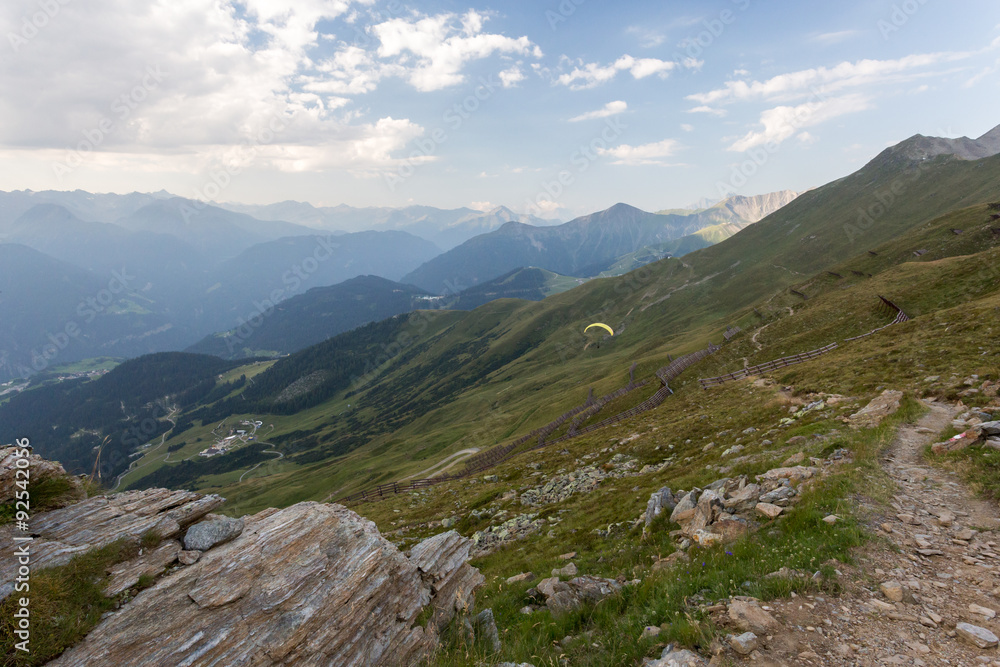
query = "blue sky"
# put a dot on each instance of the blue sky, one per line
(555, 108)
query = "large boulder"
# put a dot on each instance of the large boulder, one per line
(311, 584)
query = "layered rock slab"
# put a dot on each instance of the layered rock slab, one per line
(96, 522)
(312, 584)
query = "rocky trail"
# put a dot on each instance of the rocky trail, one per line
(928, 594)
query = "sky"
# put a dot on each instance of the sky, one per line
(552, 107)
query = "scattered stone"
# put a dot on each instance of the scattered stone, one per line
(567, 571)
(651, 631)
(768, 510)
(749, 617)
(877, 409)
(831, 519)
(892, 590)
(448, 522)
(794, 473)
(794, 460)
(676, 658)
(490, 478)
(986, 612)
(974, 634)
(518, 578)
(744, 644)
(185, 557)
(567, 556)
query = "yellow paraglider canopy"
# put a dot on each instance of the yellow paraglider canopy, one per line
(602, 325)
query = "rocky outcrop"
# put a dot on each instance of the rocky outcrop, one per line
(311, 584)
(39, 469)
(442, 563)
(96, 522)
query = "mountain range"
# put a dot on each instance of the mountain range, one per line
(189, 269)
(587, 245)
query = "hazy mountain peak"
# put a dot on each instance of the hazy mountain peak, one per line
(920, 147)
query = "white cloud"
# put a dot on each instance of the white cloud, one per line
(511, 76)
(646, 154)
(482, 206)
(836, 37)
(225, 73)
(712, 111)
(687, 127)
(590, 75)
(647, 38)
(609, 109)
(782, 122)
(441, 46)
(822, 80)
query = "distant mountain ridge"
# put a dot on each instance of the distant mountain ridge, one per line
(587, 245)
(446, 228)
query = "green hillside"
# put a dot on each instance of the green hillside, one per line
(431, 383)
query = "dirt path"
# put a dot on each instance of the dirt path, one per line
(904, 597)
(465, 453)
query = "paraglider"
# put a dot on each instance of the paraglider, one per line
(602, 325)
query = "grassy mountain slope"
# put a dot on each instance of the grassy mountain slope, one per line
(312, 317)
(509, 367)
(381, 403)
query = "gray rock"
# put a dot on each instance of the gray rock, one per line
(659, 501)
(486, 627)
(743, 500)
(717, 484)
(448, 522)
(974, 634)
(216, 530)
(672, 657)
(780, 493)
(684, 509)
(744, 644)
(567, 571)
(990, 428)
(749, 617)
